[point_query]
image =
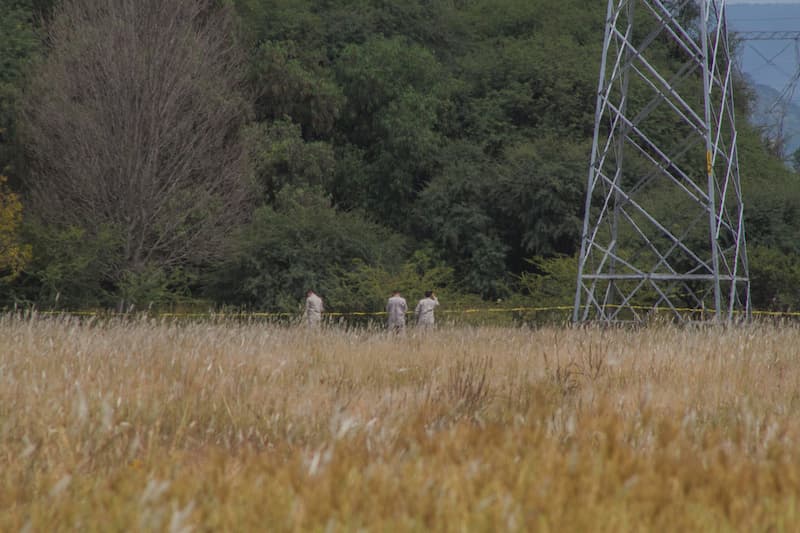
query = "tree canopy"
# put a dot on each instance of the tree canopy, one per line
(247, 151)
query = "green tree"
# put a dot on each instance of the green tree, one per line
(539, 195)
(364, 287)
(300, 243)
(775, 278)
(394, 90)
(133, 125)
(461, 126)
(772, 198)
(280, 157)
(19, 45)
(69, 267)
(14, 254)
(456, 213)
(287, 84)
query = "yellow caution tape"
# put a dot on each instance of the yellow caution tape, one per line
(466, 311)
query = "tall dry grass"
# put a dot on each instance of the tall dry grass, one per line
(148, 425)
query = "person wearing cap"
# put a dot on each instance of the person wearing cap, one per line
(424, 310)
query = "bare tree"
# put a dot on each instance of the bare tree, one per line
(133, 122)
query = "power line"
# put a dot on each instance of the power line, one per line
(781, 104)
(768, 19)
(768, 35)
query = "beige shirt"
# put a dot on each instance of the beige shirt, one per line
(314, 310)
(396, 308)
(424, 311)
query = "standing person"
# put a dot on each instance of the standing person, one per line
(396, 309)
(424, 310)
(314, 309)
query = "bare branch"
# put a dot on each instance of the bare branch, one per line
(132, 123)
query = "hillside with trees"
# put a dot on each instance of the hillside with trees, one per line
(234, 154)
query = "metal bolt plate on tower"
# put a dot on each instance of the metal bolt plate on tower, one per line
(663, 228)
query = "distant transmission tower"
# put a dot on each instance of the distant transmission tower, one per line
(663, 227)
(776, 112)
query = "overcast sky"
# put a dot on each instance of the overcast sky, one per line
(773, 63)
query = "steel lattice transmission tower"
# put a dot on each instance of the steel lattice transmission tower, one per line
(663, 227)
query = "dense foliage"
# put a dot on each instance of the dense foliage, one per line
(414, 143)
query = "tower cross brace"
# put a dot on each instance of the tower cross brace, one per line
(663, 226)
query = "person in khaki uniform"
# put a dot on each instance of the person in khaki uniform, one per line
(424, 310)
(314, 309)
(396, 309)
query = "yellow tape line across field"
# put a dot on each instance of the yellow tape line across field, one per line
(467, 311)
(256, 314)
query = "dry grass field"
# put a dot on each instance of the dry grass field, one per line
(147, 425)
